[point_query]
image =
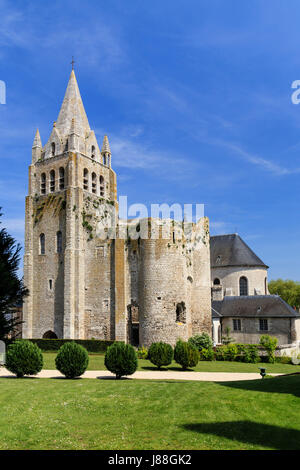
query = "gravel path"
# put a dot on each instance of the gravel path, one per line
(156, 375)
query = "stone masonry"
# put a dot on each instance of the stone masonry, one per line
(87, 283)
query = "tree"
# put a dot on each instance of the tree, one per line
(269, 343)
(12, 290)
(227, 339)
(288, 290)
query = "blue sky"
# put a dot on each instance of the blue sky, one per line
(194, 95)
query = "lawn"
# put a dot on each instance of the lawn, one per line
(136, 414)
(96, 362)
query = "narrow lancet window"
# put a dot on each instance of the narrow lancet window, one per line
(52, 181)
(61, 178)
(59, 242)
(85, 179)
(101, 180)
(43, 183)
(53, 149)
(42, 244)
(94, 183)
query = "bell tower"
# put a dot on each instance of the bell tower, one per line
(68, 177)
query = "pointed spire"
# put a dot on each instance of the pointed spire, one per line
(72, 107)
(105, 146)
(37, 140)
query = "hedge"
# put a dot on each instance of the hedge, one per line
(91, 345)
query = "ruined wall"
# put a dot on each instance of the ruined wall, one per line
(173, 288)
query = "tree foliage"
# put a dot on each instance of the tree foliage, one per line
(160, 354)
(287, 289)
(12, 290)
(186, 354)
(121, 359)
(72, 360)
(24, 358)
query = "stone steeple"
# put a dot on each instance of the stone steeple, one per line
(105, 145)
(72, 108)
(36, 147)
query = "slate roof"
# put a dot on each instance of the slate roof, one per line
(231, 250)
(254, 306)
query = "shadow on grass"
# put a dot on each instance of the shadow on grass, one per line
(258, 434)
(289, 384)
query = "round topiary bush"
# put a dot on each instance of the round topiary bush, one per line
(186, 354)
(72, 360)
(24, 358)
(121, 359)
(160, 354)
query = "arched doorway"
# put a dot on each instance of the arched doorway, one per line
(49, 335)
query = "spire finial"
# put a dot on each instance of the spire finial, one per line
(73, 62)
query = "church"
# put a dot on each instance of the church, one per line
(91, 276)
(86, 284)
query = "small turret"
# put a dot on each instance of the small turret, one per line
(36, 147)
(105, 152)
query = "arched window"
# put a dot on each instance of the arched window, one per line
(43, 183)
(52, 181)
(94, 183)
(59, 242)
(180, 312)
(61, 178)
(102, 182)
(53, 149)
(85, 179)
(266, 286)
(243, 286)
(104, 159)
(217, 281)
(93, 150)
(42, 244)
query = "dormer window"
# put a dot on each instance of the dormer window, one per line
(53, 149)
(93, 151)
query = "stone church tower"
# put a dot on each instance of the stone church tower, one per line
(85, 285)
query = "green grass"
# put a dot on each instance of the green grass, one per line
(96, 362)
(136, 414)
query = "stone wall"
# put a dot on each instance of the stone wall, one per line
(250, 333)
(230, 277)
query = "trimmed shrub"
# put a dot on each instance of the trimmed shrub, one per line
(186, 354)
(220, 353)
(160, 354)
(24, 358)
(91, 345)
(72, 360)
(284, 360)
(269, 343)
(230, 352)
(207, 354)
(251, 354)
(202, 341)
(121, 359)
(142, 353)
